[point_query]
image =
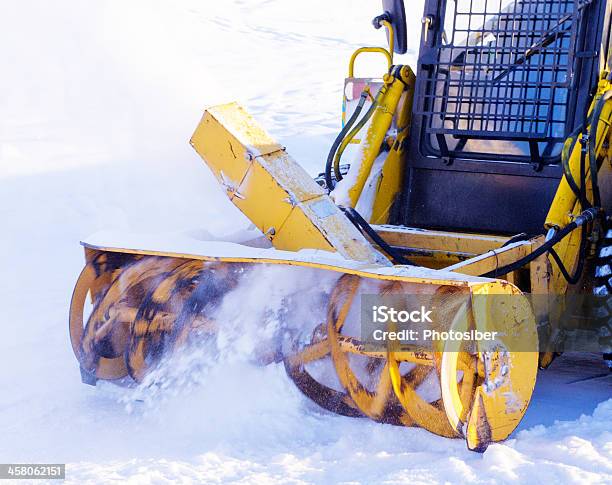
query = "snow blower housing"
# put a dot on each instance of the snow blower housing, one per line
(479, 182)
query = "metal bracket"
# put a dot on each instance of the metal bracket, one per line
(536, 159)
(446, 156)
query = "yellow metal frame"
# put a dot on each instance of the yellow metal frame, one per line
(376, 50)
(387, 102)
(391, 181)
(565, 206)
(388, 53)
(478, 254)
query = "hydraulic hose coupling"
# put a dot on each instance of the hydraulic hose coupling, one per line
(552, 239)
(377, 22)
(589, 215)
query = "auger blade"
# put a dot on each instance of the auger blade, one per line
(147, 304)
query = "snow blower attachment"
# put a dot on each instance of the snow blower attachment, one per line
(474, 187)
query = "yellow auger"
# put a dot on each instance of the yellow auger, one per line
(451, 164)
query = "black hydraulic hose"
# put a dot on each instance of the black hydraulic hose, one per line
(588, 215)
(585, 204)
(523, 236)
(353, 133)
(575, 278)
(568, 148)
(584, 201)
(330, 157)
(363, 226)
(593, 144)
(589, 146)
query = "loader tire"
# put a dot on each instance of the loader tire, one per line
(602, 289)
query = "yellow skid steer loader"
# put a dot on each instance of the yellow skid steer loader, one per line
(462, 222)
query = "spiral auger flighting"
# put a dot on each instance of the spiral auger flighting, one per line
(147, 306)
(371, 380)
(142, 311)
(445, 389)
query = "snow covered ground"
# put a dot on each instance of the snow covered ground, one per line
(98, 102)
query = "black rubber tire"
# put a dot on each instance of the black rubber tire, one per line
(602, 289)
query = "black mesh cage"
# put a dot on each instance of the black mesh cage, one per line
(501, 70)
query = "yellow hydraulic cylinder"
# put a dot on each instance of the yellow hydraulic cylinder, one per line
(392, 177)
(377, 131)
(564, 207)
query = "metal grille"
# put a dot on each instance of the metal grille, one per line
(503, 69)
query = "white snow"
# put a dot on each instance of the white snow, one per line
(99, 102)
(365, 204)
